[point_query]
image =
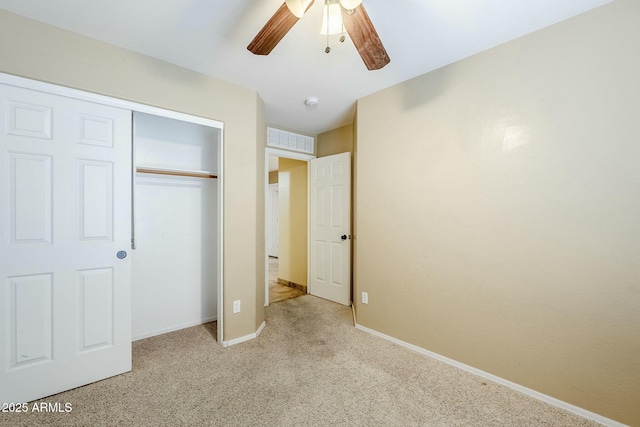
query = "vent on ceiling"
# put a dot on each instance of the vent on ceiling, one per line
(290, 141)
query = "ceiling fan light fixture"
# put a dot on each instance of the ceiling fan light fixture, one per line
(355, 22)
(331, 18)
(350, 4)
(298, 7)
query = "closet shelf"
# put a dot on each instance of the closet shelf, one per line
(176, 172)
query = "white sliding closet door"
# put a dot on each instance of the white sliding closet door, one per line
(65, 285)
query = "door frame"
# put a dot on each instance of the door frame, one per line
(53, 89)
(268, 152)
(270, 218)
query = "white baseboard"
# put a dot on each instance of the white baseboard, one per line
(517, 387)
(244, 338)
(353, 312)
(173, 328)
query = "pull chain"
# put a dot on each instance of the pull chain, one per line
(328, 49)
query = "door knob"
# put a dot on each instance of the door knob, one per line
(345, 237)
(121, 254)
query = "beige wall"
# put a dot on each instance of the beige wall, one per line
(292, 217)
(42, 52)
(336, 141)
(260, 210)
(498, 211)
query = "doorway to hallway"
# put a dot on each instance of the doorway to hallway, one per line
(286, 222)
(279, 291)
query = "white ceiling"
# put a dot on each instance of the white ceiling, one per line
(211, 36)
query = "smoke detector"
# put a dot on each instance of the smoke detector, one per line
(312, 102)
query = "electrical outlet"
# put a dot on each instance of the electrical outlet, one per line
(365, 297)
(236, 306)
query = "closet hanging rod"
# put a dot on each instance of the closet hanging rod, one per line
(177, 172)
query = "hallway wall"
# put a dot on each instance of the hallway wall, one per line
(292, 201)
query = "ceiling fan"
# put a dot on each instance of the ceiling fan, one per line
(354, 18)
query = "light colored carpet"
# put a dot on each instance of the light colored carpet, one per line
(309, 367)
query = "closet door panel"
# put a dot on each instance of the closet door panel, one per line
(96, 200)
(30, 193)
(67, 196)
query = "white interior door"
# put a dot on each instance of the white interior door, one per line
(65, 201)
(330, 228)
(273, 229)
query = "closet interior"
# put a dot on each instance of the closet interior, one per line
(176, 236)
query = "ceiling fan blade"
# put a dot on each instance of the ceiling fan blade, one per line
(274, 30)
(365, 38)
